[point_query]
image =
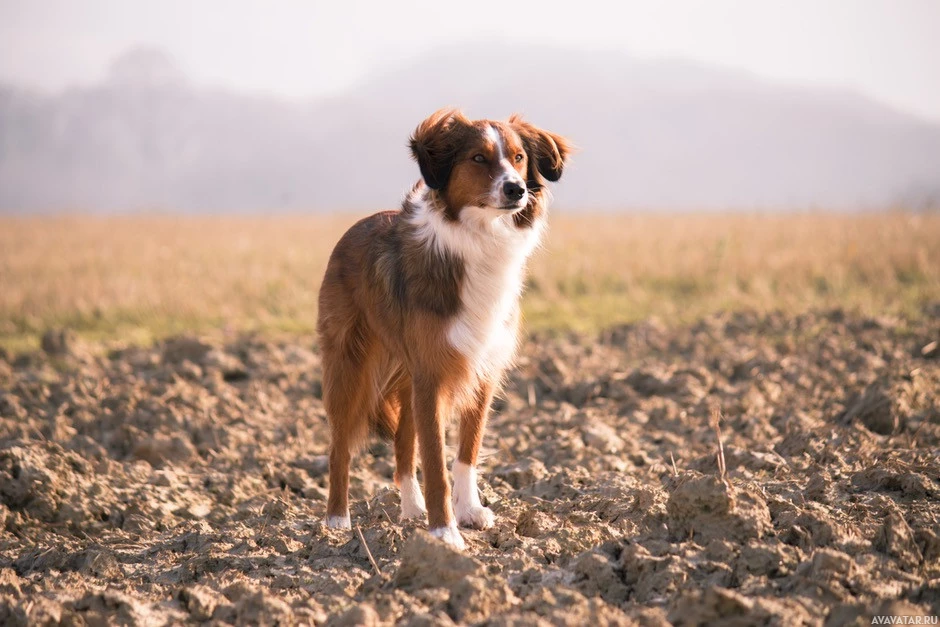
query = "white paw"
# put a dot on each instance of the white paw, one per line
(450, 535)
(338, 522)
(412, 501)
(475, 516)
(467, 507)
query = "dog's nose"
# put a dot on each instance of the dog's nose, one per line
(513, 191)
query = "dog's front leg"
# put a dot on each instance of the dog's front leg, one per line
(469, 510)
(430, 406)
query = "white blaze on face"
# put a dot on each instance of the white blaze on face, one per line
(493, 135)
(507, 172)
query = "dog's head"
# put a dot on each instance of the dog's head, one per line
(496, 166)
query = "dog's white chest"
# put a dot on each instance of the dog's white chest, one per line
(484, 330)
(493, 252)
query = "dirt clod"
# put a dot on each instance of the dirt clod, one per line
(707, 507)
(426, 562)
(58, 342)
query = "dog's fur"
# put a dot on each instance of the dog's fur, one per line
(419, 309)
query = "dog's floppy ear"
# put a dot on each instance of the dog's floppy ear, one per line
(548, 152)
(435, 144)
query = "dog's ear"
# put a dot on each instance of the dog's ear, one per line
(436, 142)
(548, 152)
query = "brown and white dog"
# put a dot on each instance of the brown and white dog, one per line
(419, 310)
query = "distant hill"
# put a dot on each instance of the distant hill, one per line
(651, 133)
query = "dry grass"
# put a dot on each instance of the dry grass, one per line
(137, 278)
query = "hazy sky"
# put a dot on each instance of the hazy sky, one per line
(889, 49)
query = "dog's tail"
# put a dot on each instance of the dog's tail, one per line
(384, 420)
(394, 390)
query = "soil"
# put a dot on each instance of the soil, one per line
(746, 469)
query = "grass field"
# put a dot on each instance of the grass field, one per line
(134, 279)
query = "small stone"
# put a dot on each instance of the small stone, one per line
(178, 349)
(602, 437)
(363, 615)
(58, 342)
(831, 562)
(200, 601)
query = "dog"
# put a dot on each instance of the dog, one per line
(419, 310)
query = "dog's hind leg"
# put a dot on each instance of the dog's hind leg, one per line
(349, 395)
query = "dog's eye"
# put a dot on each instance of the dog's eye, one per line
(519, 157)
(479, 158)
